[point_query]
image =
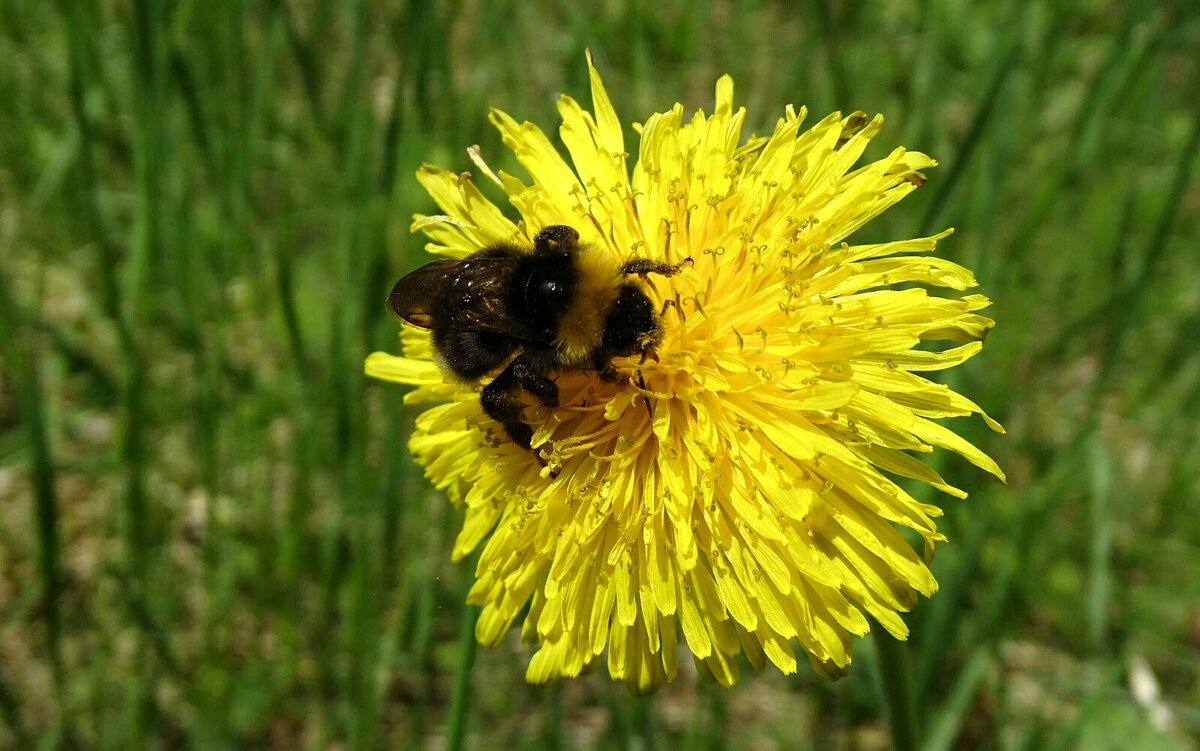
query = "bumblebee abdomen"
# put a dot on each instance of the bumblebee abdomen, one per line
(471, 354)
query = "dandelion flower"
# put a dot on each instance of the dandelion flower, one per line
(752, 509)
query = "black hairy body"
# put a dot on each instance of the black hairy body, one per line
(525, 314)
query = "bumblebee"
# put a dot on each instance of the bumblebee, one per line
(525, 314)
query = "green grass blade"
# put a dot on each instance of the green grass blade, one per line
(456, 720)
(552, 717)
(896, 684)
(10, 705)
(953, 714)
(23, 358)
(1005, 64)
(1100, 574)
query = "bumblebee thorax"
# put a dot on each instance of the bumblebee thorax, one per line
(581, 326)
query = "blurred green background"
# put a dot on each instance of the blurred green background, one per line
(211, 535)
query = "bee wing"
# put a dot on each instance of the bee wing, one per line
(481, 302)
(413, 296)
(467, 295)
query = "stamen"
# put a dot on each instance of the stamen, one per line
(667, 240)
(763, 333)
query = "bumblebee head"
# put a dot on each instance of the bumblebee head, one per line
(631, 326)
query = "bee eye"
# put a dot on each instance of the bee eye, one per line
(549, 288)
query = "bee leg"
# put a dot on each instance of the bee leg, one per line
(609, 373)
(555, 237)
(535, 381)
(645, 399)
(499, 401)
(649, 353)
(644, 266)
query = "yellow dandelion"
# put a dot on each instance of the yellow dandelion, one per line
(750, 509)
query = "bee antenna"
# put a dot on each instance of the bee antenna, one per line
(645, 398)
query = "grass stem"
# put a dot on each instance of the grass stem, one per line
(895, 680)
